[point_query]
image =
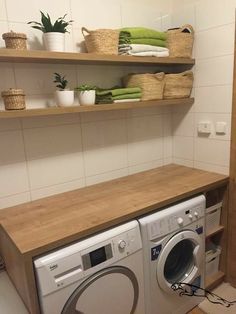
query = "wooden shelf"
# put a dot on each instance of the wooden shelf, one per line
(214, 280)
(215, 231)
(74, 109)
(42, 56)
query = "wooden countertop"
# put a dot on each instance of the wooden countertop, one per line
(45, 224)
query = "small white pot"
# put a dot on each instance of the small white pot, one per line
(87, 97)
(54, 41)
(64, 98)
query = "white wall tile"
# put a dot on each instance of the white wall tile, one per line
(212, 168)
(9, 124)
(58, 188)
(145, 166)
(213, 118)
(206, 42)
(38, 79)
(135, 14)
(54, 155)
(102, 116)
(44, 121)
(13, 172)
(183, 124)
(183, 162)
(183, 147)
(213, 99)
(3, 14)
(8, 74)
(105, 146)
(106, 176)
(13, 200)
(105, 15)
(211, 14)
(184, 15)
(212, 151)
(168, 147)
(3, 29)
(145, 139)
(214, 71)
(31, 10)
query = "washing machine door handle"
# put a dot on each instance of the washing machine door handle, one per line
(197, 255)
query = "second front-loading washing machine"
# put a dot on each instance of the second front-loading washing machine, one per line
(174, 251)
(102, 274)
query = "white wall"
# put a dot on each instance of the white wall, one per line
(213, 21)
(48, 155)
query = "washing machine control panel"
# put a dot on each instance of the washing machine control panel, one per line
(176, 217)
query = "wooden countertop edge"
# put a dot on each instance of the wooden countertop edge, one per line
(113, 222)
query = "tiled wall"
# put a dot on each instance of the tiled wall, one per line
(214, 48)
(48, 155)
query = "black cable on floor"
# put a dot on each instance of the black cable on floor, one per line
(194, 291)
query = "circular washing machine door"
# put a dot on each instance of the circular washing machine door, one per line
(179, 260)
(111, 290)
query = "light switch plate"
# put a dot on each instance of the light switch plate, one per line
(221, 128)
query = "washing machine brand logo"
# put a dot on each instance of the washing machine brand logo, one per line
(52, 267)
(155, 251)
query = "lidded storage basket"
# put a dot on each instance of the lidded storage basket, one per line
(152, 85)
(180, 41)
(101, 41)
(15, 40)
(178, 85)
(14, 99)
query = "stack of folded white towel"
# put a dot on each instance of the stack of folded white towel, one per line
(142, 50)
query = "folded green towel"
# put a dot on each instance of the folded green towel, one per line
(127, 96)
(145, 41)
(142, 32)
(118, 91)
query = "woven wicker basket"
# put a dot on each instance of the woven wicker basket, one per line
(152, 85)
(180, 41)
(178, 85)
(14, 99)
(15, 40)
(101, 41)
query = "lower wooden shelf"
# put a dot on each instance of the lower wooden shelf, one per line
(214, 280)
(217, 230)
(102, 107)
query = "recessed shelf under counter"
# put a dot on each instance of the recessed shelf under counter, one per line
(89, 108)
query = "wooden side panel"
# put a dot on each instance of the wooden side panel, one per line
(20, 272)
(232, 191)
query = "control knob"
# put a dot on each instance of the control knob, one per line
(190, 216)
(196, 214)
(121, 244)
(180, 221)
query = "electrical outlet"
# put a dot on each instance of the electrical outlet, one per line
(204, 127)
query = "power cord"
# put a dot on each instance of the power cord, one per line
(194, 291)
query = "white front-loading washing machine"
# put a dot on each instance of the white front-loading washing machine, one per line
(102, 274)
(174, 251)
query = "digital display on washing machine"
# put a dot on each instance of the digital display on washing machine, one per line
(98, 256)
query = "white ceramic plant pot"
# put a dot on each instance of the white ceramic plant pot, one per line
(87, 97)
(54, 41)
(64, 98)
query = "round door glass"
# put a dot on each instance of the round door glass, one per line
(179, 262)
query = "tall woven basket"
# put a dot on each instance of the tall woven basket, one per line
(14, 99)
(15, 40)
(101, 41)
(178, 85)
(180, 41)
(152, 85)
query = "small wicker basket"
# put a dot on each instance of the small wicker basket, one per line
(15, 40)
(14, 99)
(180, 41)
(178, 85)
(152, 85)
(101, 41)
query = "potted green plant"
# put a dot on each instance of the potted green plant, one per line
(87, 94)
(64, 96)
(53, 33)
